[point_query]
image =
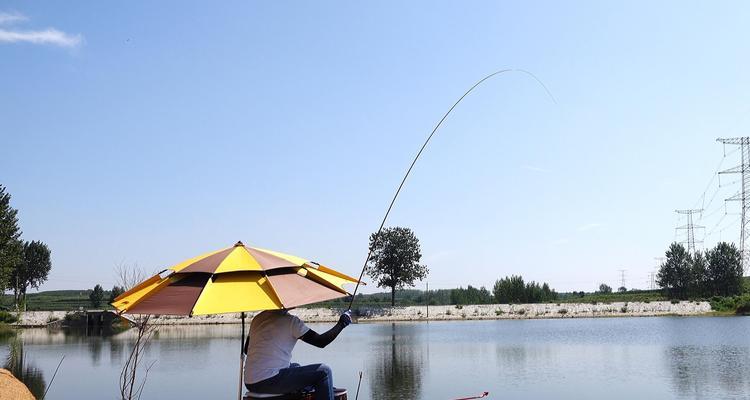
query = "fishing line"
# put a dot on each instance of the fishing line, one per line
(408, 171)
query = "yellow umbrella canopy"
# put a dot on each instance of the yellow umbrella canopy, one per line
(235, 279)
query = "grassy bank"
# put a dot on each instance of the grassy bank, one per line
(55, 300)
(732, 304)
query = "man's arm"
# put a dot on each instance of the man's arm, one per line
(324, 339)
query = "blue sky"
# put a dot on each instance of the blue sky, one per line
(144, 133)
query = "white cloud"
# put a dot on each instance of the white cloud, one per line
(589, 227)
(10, 18)
(47, 36)
(50, 36)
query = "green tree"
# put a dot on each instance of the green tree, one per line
(96, 296)
(605, 289)
(116, 291)
(395, 259)
(32, 271)
(675, 273)
(725, 269)
(547, 293)
(622, 289)
(471, 295)
(699, 280)
(510, 290)
(11, 247)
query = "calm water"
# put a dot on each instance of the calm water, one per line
(617, 358)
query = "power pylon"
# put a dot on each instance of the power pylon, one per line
(690, 228)
(743, 195)
(622, 277)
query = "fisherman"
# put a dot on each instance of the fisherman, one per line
(268, 367)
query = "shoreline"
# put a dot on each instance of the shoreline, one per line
(31, 319)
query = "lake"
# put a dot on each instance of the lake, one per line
(613, 358)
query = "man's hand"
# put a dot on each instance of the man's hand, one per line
(346, 318)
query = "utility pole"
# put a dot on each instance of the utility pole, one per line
(743, 195)
(690, 228)
(622, 277)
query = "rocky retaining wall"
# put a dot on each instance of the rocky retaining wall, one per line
(437, 313)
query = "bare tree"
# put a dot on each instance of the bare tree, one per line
(131, 383)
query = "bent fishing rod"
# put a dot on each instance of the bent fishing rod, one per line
(424, 145)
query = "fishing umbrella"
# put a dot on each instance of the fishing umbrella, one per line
(232, 280)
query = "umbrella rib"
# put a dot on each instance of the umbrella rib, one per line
(276, 295)
(321, 281)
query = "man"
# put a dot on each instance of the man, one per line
(268, 367)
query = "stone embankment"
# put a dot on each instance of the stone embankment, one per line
(437, 313)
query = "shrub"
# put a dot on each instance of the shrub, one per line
(624, 309)
(459, 307)
(521, 311)
(8, 318)
(744, 308)
(75, 318)
(562, 311)
(674, 301)
(499, 312)
(448, 312)
(594, 302)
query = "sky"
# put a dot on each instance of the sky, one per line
(144, 133)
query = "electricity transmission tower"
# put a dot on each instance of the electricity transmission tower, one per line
(622, 277)
(743, 195)
(690, 228)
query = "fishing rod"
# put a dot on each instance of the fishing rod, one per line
(481, 396)
(403, 181)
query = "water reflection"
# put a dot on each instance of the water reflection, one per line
(397, 367)
(23, 370)
(697, 369)
(95, 349)
(619, 358)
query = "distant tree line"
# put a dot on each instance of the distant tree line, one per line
(471, 295)
(715, 272)
(23, 264)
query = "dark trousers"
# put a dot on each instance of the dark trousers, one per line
(297, 377)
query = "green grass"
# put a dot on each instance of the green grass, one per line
(55, 300)
(630, 296)
(7, 317)
(732, 304)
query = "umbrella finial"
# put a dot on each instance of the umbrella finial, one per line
(239, 244)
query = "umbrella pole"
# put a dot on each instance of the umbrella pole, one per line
(242, 358)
